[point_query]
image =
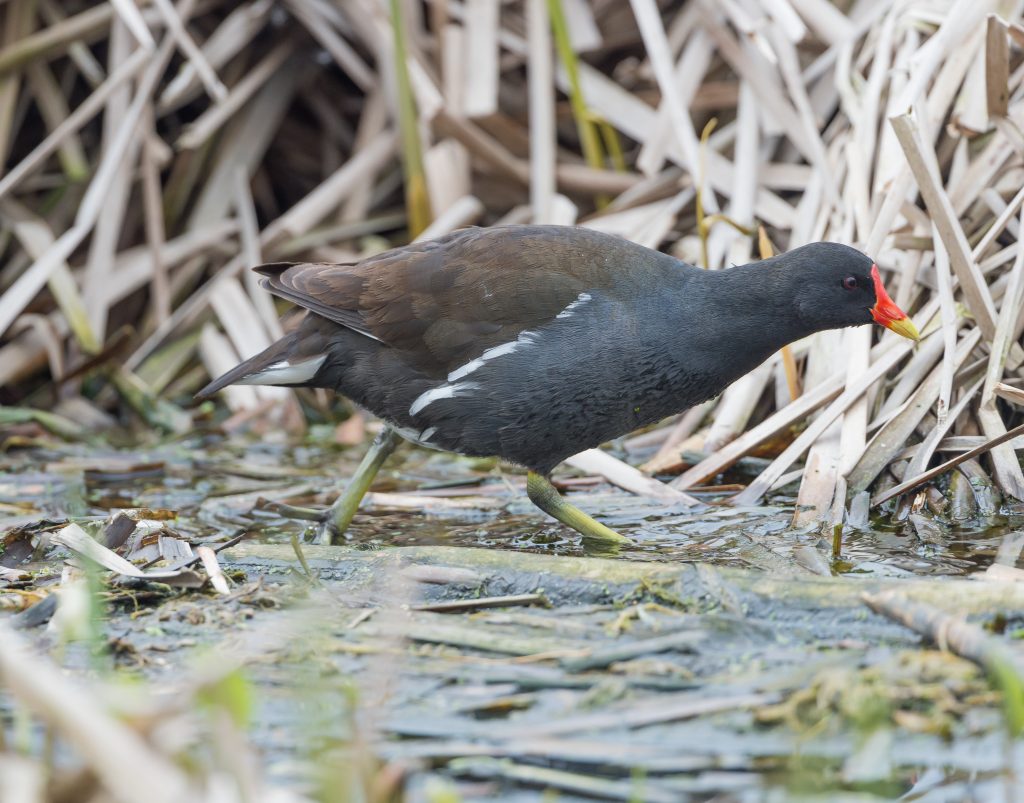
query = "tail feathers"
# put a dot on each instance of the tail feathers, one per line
(269, 367)
(285, 373)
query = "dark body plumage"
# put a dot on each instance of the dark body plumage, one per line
(536, 342)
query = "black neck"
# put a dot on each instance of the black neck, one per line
(757, 297)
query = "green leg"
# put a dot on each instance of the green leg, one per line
(341, 513)
(544, 495)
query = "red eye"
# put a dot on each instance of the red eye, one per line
(850, 283)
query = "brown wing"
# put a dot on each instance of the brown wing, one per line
(446, 301)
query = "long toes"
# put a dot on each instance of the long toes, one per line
(325, 531)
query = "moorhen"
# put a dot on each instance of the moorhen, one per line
(533, 343)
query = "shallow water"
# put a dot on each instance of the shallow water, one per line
(717, 532)
(440, 694)
(212, 484)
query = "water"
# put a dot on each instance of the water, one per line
(935, 731)
(212, 485)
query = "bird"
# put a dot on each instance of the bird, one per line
(535, 342)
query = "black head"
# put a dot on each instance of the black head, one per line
(834, 286)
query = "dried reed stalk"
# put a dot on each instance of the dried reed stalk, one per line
(138, 191)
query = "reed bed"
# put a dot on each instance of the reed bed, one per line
(154, 152)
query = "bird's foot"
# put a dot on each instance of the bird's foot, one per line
(337, 518)
(294, 512)
(321, 516)
(545, 496)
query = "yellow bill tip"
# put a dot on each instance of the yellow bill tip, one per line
(904, 327)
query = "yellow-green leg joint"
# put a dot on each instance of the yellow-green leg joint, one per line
(545, 496)
(340, 515)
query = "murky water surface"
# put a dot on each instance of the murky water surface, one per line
(424, 497)
(842, 703)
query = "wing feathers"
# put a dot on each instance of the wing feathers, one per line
(278, 283)
(446, 301)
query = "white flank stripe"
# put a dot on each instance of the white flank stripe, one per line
(443, 392)
(582, 299)
(524, 339)
(490, 354)
(285, 373)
